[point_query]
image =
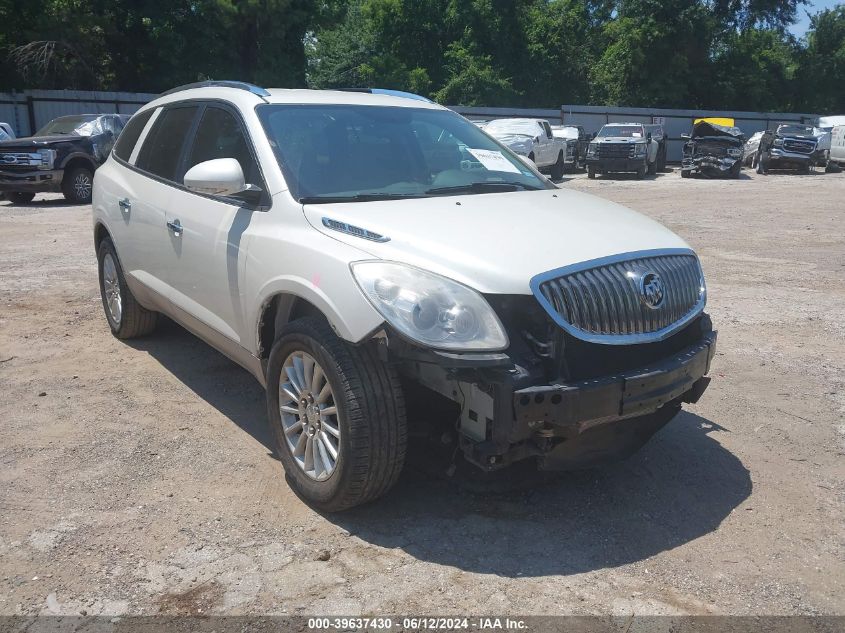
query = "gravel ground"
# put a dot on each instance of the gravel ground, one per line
(138, 478)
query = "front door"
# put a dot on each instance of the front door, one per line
(208, 234)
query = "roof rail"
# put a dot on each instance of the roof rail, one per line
(391, 93)
(240, 85)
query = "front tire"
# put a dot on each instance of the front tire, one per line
(338, 416)
(641, 172)
(20, 197)
(126, 317)
(78, 185)
(591, 172)
(557, 168)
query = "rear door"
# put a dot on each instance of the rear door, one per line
(148, 187)
(206, 253)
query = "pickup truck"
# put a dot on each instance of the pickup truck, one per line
(533, 139)
(621, 147)
(62, 157)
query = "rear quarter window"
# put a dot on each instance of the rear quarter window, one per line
(130, 134)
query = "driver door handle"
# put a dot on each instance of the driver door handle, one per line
(125, 205)
(176, 227)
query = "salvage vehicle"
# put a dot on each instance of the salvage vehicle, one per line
(622, 147)
(61, 157)
(790, 146)
(749, 150)
(577, 141)
(533, 139)
(712, 150)
(356, 251)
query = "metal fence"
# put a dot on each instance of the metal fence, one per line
(29, 110)
(675, 122)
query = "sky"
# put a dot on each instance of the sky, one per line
(800, 27)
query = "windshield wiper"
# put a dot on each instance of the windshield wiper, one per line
(359, 197)
(482, 187)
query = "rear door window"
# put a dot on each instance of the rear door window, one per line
(162, 150)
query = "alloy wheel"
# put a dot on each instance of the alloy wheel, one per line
(309, 415)
(111, 289)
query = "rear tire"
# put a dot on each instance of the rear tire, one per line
(20, 197)
(78, 185)
(368, 428)
(126, 317)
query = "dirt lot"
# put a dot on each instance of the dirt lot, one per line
(139, 478)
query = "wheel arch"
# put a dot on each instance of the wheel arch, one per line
(78, 160)
(280, 308)
(100, 233)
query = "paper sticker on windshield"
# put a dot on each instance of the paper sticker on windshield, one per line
(493, 160)
(636, 134)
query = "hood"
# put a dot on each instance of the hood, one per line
(619, 139)
(703, 129)
(496, 242)
(514, 139)
(40, 141)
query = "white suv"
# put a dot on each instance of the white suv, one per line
(359, 251)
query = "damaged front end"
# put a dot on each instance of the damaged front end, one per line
(592, 371)
(713, 151)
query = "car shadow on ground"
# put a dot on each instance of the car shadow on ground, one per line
(48, 203)
(518, 521)
(678, 488)
(222, 383)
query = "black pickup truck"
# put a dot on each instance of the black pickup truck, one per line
(61, 157)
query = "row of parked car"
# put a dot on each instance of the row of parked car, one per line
(63, 155)
(713, 148)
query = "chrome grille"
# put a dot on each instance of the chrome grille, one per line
(615, 150)
(604, 301)
(801, 147)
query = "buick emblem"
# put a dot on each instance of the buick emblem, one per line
(651, 290)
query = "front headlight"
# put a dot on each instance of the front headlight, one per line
(734, 152)
(429, 309)
(592, 148)
(639, 149)
(48, 156)
(778, 142)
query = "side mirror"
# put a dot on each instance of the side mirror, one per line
(593, 135)
(536, 139)
(218, 177)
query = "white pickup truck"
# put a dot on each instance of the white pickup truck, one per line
(532, 138)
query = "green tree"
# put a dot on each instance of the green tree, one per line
(821, 67)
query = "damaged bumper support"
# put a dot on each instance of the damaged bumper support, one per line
(566, 425)
(711, 165)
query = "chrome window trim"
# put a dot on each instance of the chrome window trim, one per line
(617, 339)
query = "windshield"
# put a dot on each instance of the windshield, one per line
(795, 129)
(628, 131)
(82, 125)
(513, 126)
(565, 132)
(354, 152)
